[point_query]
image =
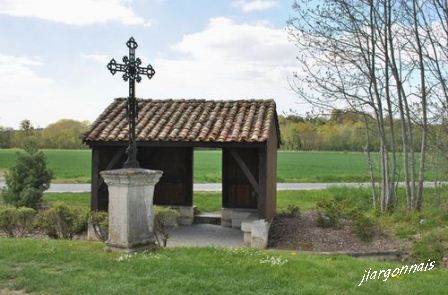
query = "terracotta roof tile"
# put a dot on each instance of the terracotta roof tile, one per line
(187, 120)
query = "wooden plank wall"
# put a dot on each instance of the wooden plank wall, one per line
(237, 190)
(174, 188)
(176, 185)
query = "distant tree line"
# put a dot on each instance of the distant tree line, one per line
(341, 130)
(63, 134)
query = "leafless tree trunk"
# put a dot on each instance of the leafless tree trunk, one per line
(368, 55)
(369, 162)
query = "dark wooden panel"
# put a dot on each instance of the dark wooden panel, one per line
(238, 192)
(176, 185)
(174, 188)
(169, 194)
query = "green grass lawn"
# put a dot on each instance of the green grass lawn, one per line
(77, 267)
(73, 166)
(210, 201)
(71, 199)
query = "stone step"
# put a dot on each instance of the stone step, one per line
(208, 218)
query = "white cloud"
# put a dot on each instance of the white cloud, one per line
(28, 94)
(20, 85)
(227, 60)
(101, 58)
(224, 39)
(19, 79)
(254, 5)
(74, 12)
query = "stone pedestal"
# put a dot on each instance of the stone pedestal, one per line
(131, 215)
(256, 233)
(259, 234)
(232, 217)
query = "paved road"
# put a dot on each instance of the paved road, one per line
(85, 187)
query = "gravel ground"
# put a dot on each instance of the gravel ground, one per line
(304, 234)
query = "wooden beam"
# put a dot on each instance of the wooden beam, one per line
(225, 178)
(115, 159)
(245, 170)
(113, 162)
(262, 179)
(95, 180)
(188, 180)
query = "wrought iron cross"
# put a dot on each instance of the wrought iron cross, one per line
(132, 71)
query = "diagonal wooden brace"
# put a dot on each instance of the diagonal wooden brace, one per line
(245, 170)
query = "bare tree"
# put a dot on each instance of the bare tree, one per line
(382, 58)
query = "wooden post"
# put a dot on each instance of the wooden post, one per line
(95, 179)
(188, 181)
(225, 180)
(262, 178)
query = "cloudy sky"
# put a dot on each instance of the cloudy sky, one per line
(53, 53)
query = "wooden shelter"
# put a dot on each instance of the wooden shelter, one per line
(167, 131)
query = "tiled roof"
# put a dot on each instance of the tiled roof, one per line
(187, 120)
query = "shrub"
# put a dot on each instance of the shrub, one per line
(291, 211)
(329, 213)
(62, 221)
(364, 227)
(7, 220)
(359, 198)
(432, 245)
(27, 179)
(16, 221)
(24, 220)
(162, 219)
(100, 224)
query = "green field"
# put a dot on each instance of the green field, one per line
(73, 166)
(70, 166)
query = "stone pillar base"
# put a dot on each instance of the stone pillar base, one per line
(232, 217)
(131, 215)
(91, 236)
(256, 233)
(186, 214)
